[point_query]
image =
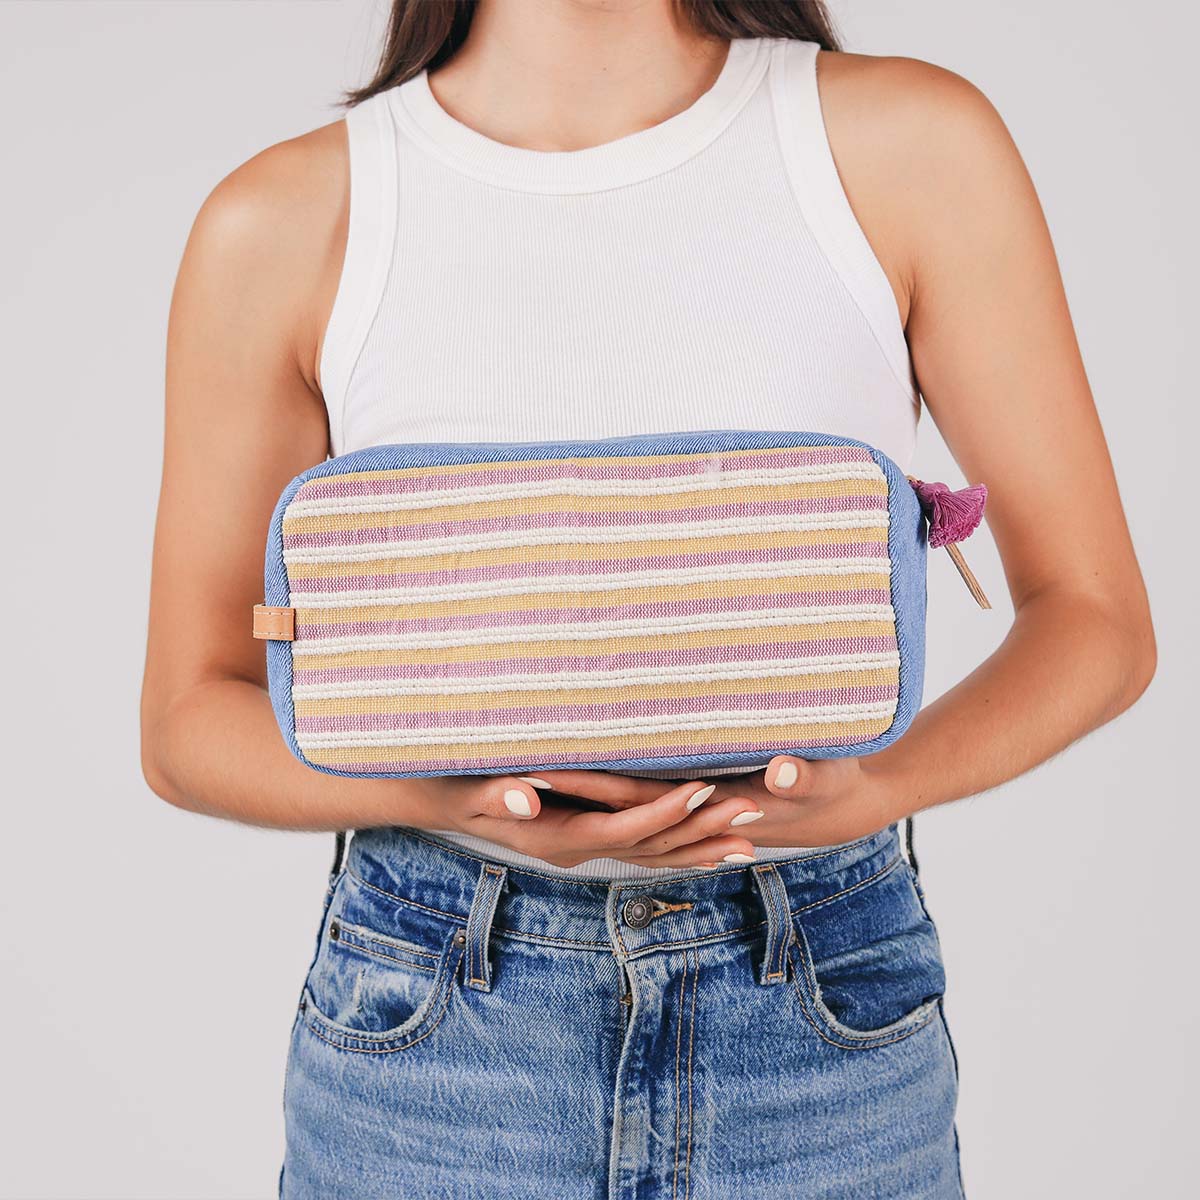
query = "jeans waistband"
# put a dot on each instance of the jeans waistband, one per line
(628, 917)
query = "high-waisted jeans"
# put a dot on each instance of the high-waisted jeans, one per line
(475, 1031)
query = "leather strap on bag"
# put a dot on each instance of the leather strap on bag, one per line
(274, 624)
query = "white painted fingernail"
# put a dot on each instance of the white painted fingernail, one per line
(694, 801)
(517, 802)
(786, 775)
(537, 783)
(746, 817)
(739, 858)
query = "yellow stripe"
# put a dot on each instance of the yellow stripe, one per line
(709, 458)
(622, 746)
(614, 505)
(450, 655)
(298, 573)
(482, 702)
(717, 589)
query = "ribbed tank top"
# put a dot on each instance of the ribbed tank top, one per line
(707, 272)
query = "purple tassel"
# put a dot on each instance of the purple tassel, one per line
(953, 516)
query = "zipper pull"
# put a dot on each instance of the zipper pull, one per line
(956, 557)
(953, 517)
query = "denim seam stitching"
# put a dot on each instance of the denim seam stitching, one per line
(620, 936)
(473, 933)
(781, 939)
(687, 1162)
(408, 962)
(498, 874)
(343, 1041)
(685, 943)
(370, 935)
(504, 931)
(869, 1041)
(548, 940)
(772, 917)
(854, 887)
(772, 901)
(440, 912)
(678, 1089)
(520, 935)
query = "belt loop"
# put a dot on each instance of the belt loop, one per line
(339, 853)
(779, 922)
(492, 877)
(909, 848)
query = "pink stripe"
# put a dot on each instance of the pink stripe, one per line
(604, 468)
(624, 661)
(540, 714)
(529, 521)
(528, 618)
(526, 765)
(578, 566)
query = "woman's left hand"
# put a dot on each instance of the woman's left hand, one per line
(802, 803)
(813, 802)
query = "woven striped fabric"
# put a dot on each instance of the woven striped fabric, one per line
(589, 610)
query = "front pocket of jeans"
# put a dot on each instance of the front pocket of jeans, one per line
(866, 966)
(383, 975)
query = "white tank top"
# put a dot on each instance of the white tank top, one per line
(707, 272)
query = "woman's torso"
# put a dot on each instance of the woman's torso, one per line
(708, 272)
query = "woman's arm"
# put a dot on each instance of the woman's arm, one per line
(945, 199)
(244, 415)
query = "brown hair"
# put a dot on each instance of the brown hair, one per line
(425, 33)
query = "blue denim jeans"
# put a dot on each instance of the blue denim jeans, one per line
(474, 1030)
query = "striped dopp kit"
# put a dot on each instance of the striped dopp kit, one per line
(661, 601)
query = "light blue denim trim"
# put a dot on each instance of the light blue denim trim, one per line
(906, 547)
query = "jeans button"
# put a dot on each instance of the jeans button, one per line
(637, 911)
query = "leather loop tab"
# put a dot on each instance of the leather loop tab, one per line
(274, 624)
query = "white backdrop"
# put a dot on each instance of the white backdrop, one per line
(151, 959)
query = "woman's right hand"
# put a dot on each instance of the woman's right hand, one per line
(638, 823)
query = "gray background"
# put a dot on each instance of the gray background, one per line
(151, 959)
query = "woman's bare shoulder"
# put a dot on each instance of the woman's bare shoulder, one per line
(268, 238)
(916, 146)
(905, 100)
(275, 193)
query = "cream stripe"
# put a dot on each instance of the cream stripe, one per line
(490, 494)
(442, 657)
(794, 668)
(613, 509)
(665, 456)
(621, 747)
(615, 728)
(649, 548)
(570, 534)
(490, 588)
(472, 705)
(596, 630)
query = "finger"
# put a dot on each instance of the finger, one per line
(605, 831)
(567, 836)
(509, 798)
(788, 777)
(606, 787)
(710, 852)
(710, 820)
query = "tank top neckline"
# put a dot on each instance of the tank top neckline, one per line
(626, 160)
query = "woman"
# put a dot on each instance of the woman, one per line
(581, 218)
